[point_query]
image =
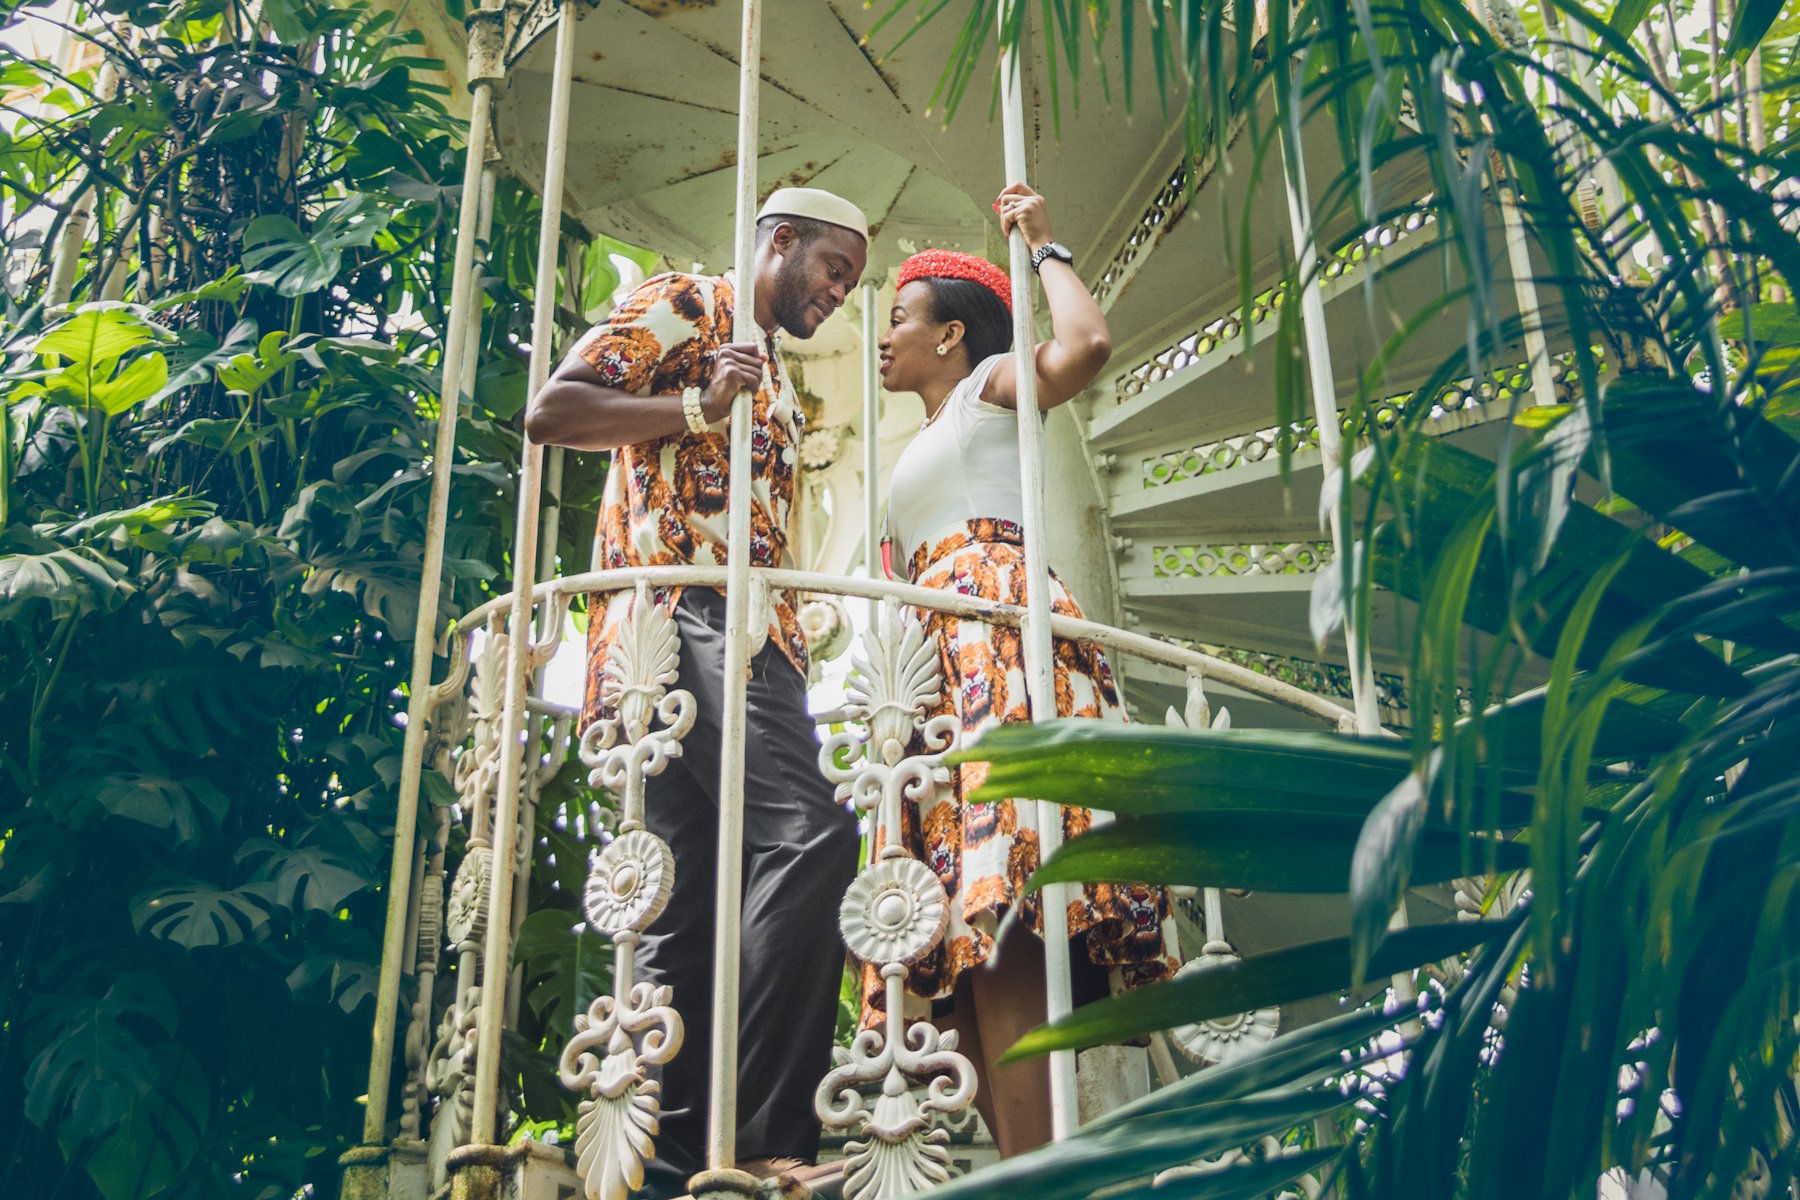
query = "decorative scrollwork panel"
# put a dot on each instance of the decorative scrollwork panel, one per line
(899, 1079)
(629, 883)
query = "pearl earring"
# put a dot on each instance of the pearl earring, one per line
(942, 350)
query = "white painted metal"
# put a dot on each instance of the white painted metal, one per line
(1518, 258)
(894, 913)
(1039, 659)
(721, 1138)
(1106, 636)
(1325, 411)
(871, 437)
(1363, 691)
(497, 953)
(458, 363)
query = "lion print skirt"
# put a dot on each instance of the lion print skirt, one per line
(984, 852)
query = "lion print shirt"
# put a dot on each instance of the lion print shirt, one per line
(665, 501)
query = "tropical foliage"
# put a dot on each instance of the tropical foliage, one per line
(1604, 726)
(226, 268)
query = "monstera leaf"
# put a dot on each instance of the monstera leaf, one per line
(194, 913)
(279, 254)
(305, 877)
(185, 807)
(387, 588)
(345, 980)
(90, 1065)
(94, 341)
(96, 333)
(68, 580)
(160, 1133)
(247, 373)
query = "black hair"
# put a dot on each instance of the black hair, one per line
(807, 229)
(987, 322)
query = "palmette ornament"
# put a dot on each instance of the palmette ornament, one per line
(616, 1123)
(896, 1148)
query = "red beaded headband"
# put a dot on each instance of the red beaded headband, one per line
(954, 264)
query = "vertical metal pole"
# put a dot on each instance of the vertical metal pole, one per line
(871, 423)
(1324, 398)
(1039, 655)
(1525, 293)
(497, 953)
(460, 333)
(721, 1140)
(1364, 697)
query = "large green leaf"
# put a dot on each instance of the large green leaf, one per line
(246, 373)
(160, 1134)
(1443, 487)
(1717, 474)
(306, 877)
(1214, 1110)
(91, 1066)
(1265, 980)
(98, 333)
(387, 589)
(1749, 24)
(1256, 851)
(196, 913)
(67, 580)
(1142, 770)
(1627, 15)
(134, 383)
(94, 341)
(279, 254)
(184, 807)
(566, 965)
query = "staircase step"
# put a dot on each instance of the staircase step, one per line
(1205, 383)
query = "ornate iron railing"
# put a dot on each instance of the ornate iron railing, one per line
(900, 1080)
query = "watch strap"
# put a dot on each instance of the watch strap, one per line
(1051, 250)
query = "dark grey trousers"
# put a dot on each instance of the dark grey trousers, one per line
(800, 850)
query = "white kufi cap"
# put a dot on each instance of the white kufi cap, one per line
(818, 205)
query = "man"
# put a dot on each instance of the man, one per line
(655, 384)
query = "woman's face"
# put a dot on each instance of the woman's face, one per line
(909, 345)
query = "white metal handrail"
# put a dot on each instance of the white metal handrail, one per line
(1136, 645)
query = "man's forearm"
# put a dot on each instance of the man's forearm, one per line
(587, 416)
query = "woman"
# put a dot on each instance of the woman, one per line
(954, 521)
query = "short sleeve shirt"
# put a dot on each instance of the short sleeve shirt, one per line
(666, 501)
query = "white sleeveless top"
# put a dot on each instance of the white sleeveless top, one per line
(963, 465)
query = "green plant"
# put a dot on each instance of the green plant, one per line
(218, 415)
(1633, 1012)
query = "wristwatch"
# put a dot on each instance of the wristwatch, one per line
(1051, 250)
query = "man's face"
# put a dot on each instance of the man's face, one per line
(814, 280)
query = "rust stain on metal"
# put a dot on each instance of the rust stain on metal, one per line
(875, 225)
(658, 8)
(862, 48)
(725, 162)
(806, 172)
(658, 96)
